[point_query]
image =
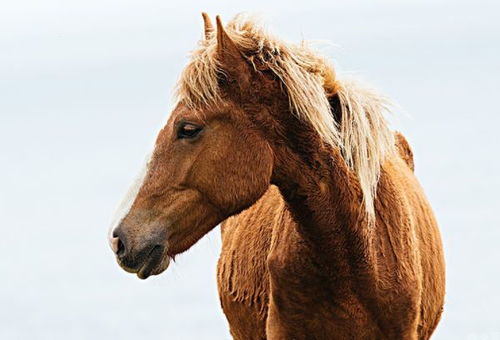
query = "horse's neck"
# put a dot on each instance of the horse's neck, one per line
(324, 198)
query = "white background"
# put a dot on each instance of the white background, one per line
(86, 85)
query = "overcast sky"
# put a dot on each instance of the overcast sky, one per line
(86, 85)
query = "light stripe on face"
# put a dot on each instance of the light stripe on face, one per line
(129, 199)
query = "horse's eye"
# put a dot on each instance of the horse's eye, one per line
(188, 130)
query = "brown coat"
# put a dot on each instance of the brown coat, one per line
(327, 233)
(386, 282)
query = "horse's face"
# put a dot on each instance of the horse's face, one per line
(206, 166)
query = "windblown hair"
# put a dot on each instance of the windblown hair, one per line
(362, 134)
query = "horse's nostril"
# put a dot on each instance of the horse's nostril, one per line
(117, 246)
(114, 242)
(120, 248)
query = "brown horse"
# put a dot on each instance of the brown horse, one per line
(327, 234)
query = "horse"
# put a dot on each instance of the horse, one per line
(326, 232)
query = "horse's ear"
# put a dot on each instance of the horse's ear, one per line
(230, 57)
(209, 29)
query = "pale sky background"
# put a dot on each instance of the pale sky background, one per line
(86, 85)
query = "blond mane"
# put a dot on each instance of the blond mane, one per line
(363, 135)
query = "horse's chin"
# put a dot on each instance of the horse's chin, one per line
(151, 268)
(156, 263)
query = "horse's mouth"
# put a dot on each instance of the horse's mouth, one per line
(154, 263)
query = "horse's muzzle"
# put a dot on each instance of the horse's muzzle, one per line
(149, 260)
